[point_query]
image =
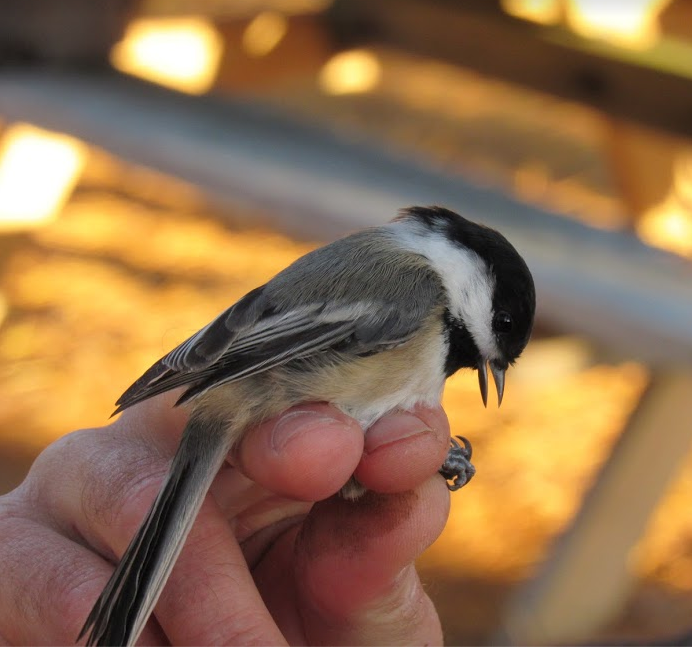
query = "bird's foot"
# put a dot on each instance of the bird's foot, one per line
(457, 468)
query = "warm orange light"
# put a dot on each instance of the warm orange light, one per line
(182, 53)
(38, 170)
(544, 12)
(351, 72)
(629, 23)
(264, 33)
(669, 223)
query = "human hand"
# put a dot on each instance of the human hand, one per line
(262, 565)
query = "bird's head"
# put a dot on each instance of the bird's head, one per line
(490, 291)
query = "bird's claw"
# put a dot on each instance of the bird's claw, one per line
(457, 469)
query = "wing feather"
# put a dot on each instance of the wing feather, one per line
(253, 354)
(285, 320)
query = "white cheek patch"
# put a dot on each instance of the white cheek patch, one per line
(465, 276)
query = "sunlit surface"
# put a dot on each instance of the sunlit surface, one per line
(545, 12)
(629, 23)
(38, 170)
(351, 72)
(264, 33)
(182, 53)
(669, 224)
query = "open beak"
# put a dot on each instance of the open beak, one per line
(499, 377)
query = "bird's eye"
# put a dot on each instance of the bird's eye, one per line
(502, 322)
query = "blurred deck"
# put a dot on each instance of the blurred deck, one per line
(317, 183)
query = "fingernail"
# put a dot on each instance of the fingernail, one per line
(393, 428)
(297, 422)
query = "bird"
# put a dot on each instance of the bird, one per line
(372, 323)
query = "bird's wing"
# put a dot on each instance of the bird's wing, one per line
(255, 335)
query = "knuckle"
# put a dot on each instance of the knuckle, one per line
(120, 483)
(58, 453)
(63, 458)
(87, 480)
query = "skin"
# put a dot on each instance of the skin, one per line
(263, 564)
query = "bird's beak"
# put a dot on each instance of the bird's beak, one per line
(483, 380)
(499, 377)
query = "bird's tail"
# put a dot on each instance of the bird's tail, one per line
(124, 606)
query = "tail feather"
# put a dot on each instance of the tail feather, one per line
(124, 606)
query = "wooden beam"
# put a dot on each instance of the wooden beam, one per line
(585, 582)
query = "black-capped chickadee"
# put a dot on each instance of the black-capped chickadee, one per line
(371, 323)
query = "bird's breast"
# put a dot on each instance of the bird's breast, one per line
(366, 388)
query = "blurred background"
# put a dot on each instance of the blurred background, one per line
(159, 158)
